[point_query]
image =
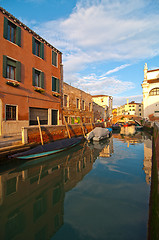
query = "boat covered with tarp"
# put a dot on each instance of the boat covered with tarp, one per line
(48, 148)
(98, 134)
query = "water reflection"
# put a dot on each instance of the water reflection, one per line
(32, 195)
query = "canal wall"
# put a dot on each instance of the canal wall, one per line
(153, 230)
(50, 133)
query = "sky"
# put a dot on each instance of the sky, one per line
(105, 43)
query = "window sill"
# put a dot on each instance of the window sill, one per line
(13, 83)
(56, 94)
(38, 89)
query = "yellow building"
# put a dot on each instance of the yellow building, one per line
(106, 102)
(131, 108)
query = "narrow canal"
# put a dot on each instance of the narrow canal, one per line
(95, 191)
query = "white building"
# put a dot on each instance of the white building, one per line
(150, 87)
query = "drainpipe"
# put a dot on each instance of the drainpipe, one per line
(0, 117)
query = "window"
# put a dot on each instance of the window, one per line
(11, 72)
(83, 105)
(65, 101)
(11, 69)
(90, 107)
(38, 78)
(12, 32)
(55, 84)
(10, 112)
(54, 58)
(139, 109)
(154, 91)
(11, 35)
(77, 103)
(37, 48)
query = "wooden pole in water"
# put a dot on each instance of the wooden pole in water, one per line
(67, 128)
(40, 131)
(82, 127)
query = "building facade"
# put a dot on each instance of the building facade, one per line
(106, 102)
(131, 108)
(30, 77)
(150, 88)
(77, 105)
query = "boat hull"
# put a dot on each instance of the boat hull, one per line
(48, 149)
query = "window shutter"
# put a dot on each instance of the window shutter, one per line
(18, 36)
(42, 50)
(42, 79)
(57, 85)
(5, 30)
(54, 58)
(53, 84)
(4, 66)
(33, 45)
(33, 77)
(18, 71)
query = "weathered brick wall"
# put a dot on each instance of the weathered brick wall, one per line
(51, 133)
(71, 110)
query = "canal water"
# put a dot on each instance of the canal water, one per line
(94, 191)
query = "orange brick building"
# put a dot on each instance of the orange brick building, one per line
(31, 77)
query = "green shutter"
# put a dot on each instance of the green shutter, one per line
(33, 45)
(42, 79)
(18, 71)
(18, 36)
(53, 84)
(33, 76)
(57, 85)
(54, 58)
(5, 30)
(4, 66)
(42, 50)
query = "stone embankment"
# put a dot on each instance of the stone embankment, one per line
(31, 137)
(153, 230)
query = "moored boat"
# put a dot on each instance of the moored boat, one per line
(48, 148)
(98, 134)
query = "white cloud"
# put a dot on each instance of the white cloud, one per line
(103, 30)
(102, 84)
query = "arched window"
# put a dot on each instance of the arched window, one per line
(154, 91)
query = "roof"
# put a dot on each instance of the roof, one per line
(153, 70)
(28, 29)
(101, 96)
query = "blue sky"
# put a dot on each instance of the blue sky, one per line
(105, 43)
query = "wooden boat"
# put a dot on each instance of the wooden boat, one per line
(48, 149)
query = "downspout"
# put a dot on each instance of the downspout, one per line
(0, 117)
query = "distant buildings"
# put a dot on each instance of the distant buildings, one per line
(131, 108)
(150, 88)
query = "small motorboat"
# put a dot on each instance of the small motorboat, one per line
(48, 148)
(98, 134)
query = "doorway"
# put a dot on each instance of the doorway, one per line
(54, 115)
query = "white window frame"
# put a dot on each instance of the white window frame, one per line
(16, 111)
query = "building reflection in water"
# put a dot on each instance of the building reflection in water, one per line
(32, 195)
